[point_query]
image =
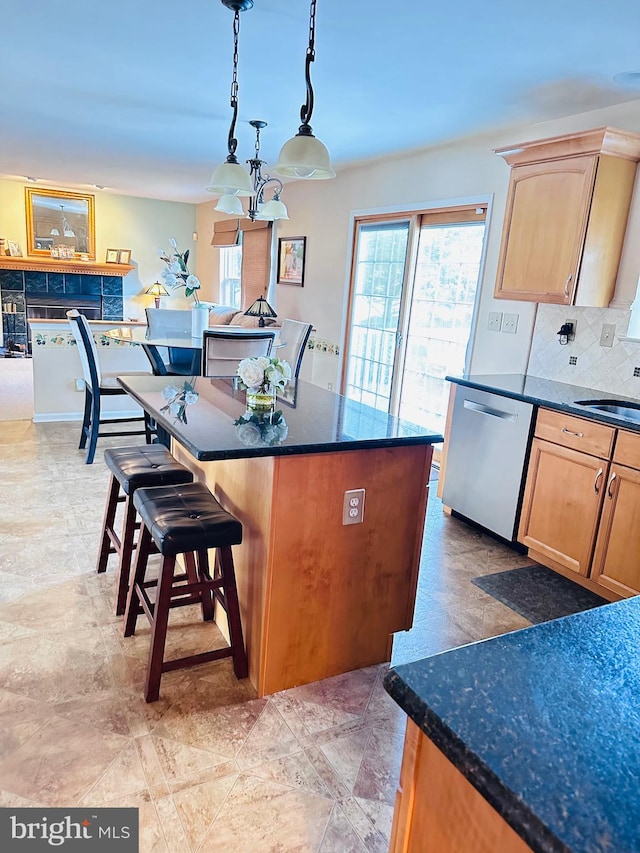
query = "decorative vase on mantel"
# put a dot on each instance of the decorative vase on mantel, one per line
(261, 399)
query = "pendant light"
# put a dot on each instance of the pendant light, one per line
(230, 178)
(304, 156)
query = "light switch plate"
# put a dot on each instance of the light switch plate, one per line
(510, 323)
(608, 334)
(495, 321)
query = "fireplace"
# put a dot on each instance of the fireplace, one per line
(38, 294)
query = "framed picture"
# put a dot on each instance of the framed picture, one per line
(112, 256)
(56, 217)
(291, 255)
(14, 249)
(124, 256)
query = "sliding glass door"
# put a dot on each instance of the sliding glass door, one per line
(413, 294)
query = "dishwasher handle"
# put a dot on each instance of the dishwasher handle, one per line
(488, 410)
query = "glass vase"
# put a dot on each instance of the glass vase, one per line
(261, 399)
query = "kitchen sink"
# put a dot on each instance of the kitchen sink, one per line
(618, 408)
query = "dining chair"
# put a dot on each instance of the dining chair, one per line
(294, 336)
(222, 351)
(98, 384)
(170, 323)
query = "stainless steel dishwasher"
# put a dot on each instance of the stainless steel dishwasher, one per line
(486, 454)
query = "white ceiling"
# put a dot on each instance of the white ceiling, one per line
(134, 94)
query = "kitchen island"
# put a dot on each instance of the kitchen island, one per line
(526, 741)
(318, 597)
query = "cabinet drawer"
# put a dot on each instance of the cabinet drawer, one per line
(627, 450)
(577, 433)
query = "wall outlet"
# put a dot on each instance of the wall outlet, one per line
(330, 386)
(608, 334)
(510, 323)
(495, 321)
(353, 506)
(574, 323)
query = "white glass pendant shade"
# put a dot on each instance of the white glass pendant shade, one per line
(304, 156)
(272, 210)
(231, 179)
(54, 232)
(230, 204)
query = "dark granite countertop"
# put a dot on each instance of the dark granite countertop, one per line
(316, 420)
(547, 393)
(545, 723)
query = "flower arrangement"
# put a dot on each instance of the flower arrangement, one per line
(176, 272)
(263, 373)
(255, 430)
(178, 399)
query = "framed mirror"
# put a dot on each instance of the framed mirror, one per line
(60, 218)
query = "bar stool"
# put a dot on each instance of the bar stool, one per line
(132, 468)
(185, 520)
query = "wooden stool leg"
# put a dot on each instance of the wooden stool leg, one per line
(159, 629)
(107, 524)
(126, 551)
(139, 569)
(86, 420)
(206, 594)
(240, 663)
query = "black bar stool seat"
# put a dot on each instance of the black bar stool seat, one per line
(132, 468)
(187, 520)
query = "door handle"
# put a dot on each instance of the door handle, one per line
(567, 283)
(609, 485)
(595, 485)
(487, 410)
(568, 432)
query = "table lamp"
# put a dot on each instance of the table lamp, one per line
(157, 289)
(260, 309)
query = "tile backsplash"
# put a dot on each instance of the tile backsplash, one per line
(583, 361)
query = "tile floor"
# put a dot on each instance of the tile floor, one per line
(209, 766)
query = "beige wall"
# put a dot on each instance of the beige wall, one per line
(465, 168)
(122, 222)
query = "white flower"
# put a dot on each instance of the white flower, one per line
(193, 282)
(175, 267)
(173, 243)
(170, 279)
(191, 397)
(170, 392)
(160, 252)
(175, 408)
(249, 434)
(251, 372)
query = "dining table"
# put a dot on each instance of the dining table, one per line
(153, 343)
(323, 583)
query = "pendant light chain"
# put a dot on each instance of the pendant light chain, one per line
(307, 108)
(233, 142)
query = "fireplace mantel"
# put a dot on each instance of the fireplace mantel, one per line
(55, 265)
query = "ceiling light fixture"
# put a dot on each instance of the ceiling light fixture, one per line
(304, 156)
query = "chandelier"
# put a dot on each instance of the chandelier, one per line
(303, 156)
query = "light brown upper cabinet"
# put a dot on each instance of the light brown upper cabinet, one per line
(566, 216)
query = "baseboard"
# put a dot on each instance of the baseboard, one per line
(53, 417)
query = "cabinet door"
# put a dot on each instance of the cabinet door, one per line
(544, 230)
(562, 502)
(616, 563)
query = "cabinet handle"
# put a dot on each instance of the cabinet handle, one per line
(595, 485)
(577, 434)
(609, 492)
(567, 283)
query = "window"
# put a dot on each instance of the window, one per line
(230, 278)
